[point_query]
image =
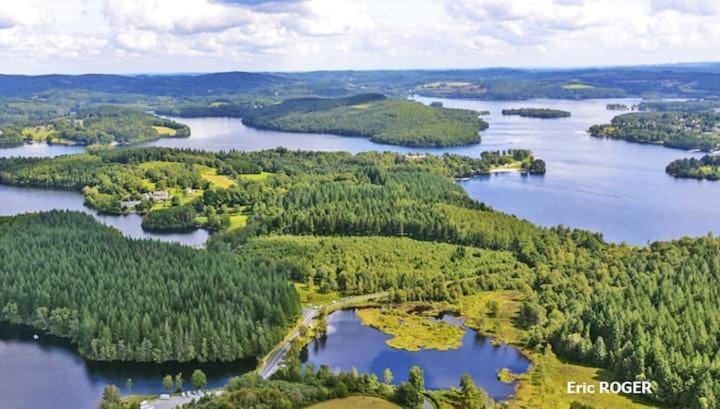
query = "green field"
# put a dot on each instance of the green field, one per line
(577, 86)
(311, 296)
(210, 174)
(356, 402)
(164, 131)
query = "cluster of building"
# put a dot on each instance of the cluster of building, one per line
(156, 196)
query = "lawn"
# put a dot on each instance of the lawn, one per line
(356, 402)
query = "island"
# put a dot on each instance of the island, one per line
(617, 107)
(543, 113)
(707, 167)
(382, 120)
(683, 130)
(101, 125)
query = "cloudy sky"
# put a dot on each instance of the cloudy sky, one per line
(140, 36)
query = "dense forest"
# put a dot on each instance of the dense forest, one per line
(707, 167)
(175, 219)
(640, 312)
(684, 130)
(11, 136)
(397, 122)
(543, 113)
(123, 299)
(415, 270)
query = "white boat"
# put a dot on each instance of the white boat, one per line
(36, 336)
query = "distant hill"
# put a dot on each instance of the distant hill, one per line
(217, 83)
(697, 80)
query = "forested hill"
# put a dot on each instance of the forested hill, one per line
(139, 300)
(684, 130)
(492, 83)
(397, 122)
(203, 84)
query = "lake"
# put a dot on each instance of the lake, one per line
(17, 200)
(477, 356)
(613, 187)
(48, 374)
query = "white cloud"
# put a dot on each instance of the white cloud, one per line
(214, 35)
(700, 7)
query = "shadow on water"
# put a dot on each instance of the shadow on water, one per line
(36, 372)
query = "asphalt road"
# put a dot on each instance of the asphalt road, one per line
(273, 363)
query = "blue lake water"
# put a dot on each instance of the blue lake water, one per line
(350, 344)
(15, 200)
(48, 374)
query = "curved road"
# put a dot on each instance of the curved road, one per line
(273, 362)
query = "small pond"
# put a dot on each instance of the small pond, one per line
(350, 344)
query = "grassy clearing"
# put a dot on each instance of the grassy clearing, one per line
(237, 221)
(356, 402)
(262, 176)
(412, 332)
(510, 167)
(220, 181)
(544, 385)
(37, 133)
(164, 131)
(311, 296)
(577, 86)
(210, 174)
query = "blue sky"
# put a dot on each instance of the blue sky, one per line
(134, 36)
